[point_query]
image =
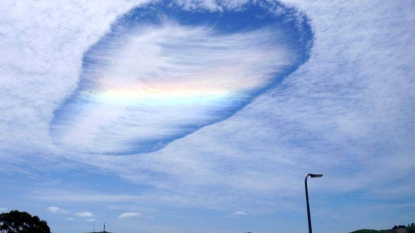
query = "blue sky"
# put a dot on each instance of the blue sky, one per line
(205, 116)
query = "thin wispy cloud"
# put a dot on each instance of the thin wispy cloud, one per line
(130, 215)
(54, 209)
(84, 214)
(237, 213)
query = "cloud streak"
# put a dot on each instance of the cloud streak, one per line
(130, 215)
(54, 209)
(84, 214)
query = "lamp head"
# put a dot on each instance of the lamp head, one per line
(315, 175)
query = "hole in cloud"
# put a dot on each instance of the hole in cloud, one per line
(163, 72)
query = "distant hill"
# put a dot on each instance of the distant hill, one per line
(399, 230)
(370, 231)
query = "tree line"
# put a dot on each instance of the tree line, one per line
(22, 222)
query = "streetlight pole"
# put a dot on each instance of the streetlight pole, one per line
(306, 195)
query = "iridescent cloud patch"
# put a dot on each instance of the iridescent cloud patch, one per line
(162, 72)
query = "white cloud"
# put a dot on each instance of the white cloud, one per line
(84, 214)
(130, 215)
(239, 213)
(236, 214)
(54, 209)
(90, 220)
(69, 219)
(2, 209)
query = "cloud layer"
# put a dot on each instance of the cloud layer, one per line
(163, 73)
(347, 113)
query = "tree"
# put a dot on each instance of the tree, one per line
(22, 222)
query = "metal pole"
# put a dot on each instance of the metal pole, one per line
(310, 230)
(308, 205)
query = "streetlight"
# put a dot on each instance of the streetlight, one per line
(306, 195)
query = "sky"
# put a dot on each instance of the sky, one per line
(194, 116)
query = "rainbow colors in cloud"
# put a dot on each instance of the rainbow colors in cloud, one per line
(162, 73)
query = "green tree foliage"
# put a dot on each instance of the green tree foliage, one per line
(22, 222)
